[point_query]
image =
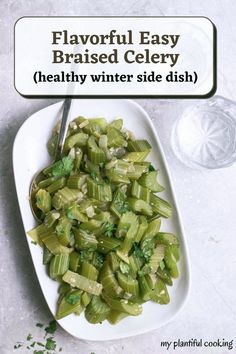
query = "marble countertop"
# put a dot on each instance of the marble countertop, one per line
(206, 198)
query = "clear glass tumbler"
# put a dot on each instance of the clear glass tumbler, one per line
(204, 136)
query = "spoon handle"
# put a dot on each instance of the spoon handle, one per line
(63, 129)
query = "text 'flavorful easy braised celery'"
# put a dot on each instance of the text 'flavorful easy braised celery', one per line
(101, 221)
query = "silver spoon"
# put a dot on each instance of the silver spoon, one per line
(58, 153)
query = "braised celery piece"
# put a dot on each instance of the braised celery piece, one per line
(149, 180)
(65, 196)
(70, 303)
(140, 206)
(85, 240)
(129, 284)
(55, 186)
(97, 310)
(160, 293)
(140, 192)
(100, 191)
(110, 284)
(63, 230)
(43, 200)
(116, 316)
(58, 265)
(123, 305)
(78, 139)
(137, 156)
(139, 145)
(115, 138)
(78, 281)
(161, 206)
(89, 271)
(101, 223)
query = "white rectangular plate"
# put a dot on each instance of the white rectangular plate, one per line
(30, 155)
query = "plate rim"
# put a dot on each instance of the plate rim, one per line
(149, 328)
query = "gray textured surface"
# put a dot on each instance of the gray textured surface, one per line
(206, 199)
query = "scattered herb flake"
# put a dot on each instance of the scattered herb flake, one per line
(73, 298)
(52, 327)
(50, 344)
(124, 267)
(29, 337)
(109, 229)
(39, 325)
(34, 242)
(151, 168)
(40, 344)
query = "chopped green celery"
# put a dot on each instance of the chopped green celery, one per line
(92, 226)
(143, 225)
(128, 284)
(136, 170)
(86, 298)
(92, 169)
(40, 231)
(122, 305)
(58, 265)
(97, 310)
(73, 212)
(125, 222)
(65, 196)
(129, 238)
(152, 229)
(115, 138)
(89, 271)
(85, 240)
(138, 145)
(74, 263)
(146, 285)
(164, 275)
(175, 251)
(170, 263)
(64, 288)
(123, 256)
(102, 143)
(47, 255)
(60, 168)
(161, 206)
(55, 186)
(137, 156)
(113, 261)
(140, 206)
(149, 180)
(67, 307)
(78, 281)
(157, 257)
(96, 124)
(101, 192)
(78, 139)
(78, 158)
(116, 316)
(103, 216)
(135, 264)
(46, 182)
(51, 217)
(95, 154)
(160, 293)
(119, 204)
(167, 238)
(140, 192)
(63, 230)
(77, 181)
(117, 124)
(53, 244)
(115, 177)
(43, 200)
(109, 282)
(107, 244)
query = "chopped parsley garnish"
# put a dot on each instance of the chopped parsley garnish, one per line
(94, 175)
(52, 327)
(151, 168)
(39, 325)
(29, 337)
(34, 242)
(109, 229)
(73, 298)
(50, 344)
(63, 167)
